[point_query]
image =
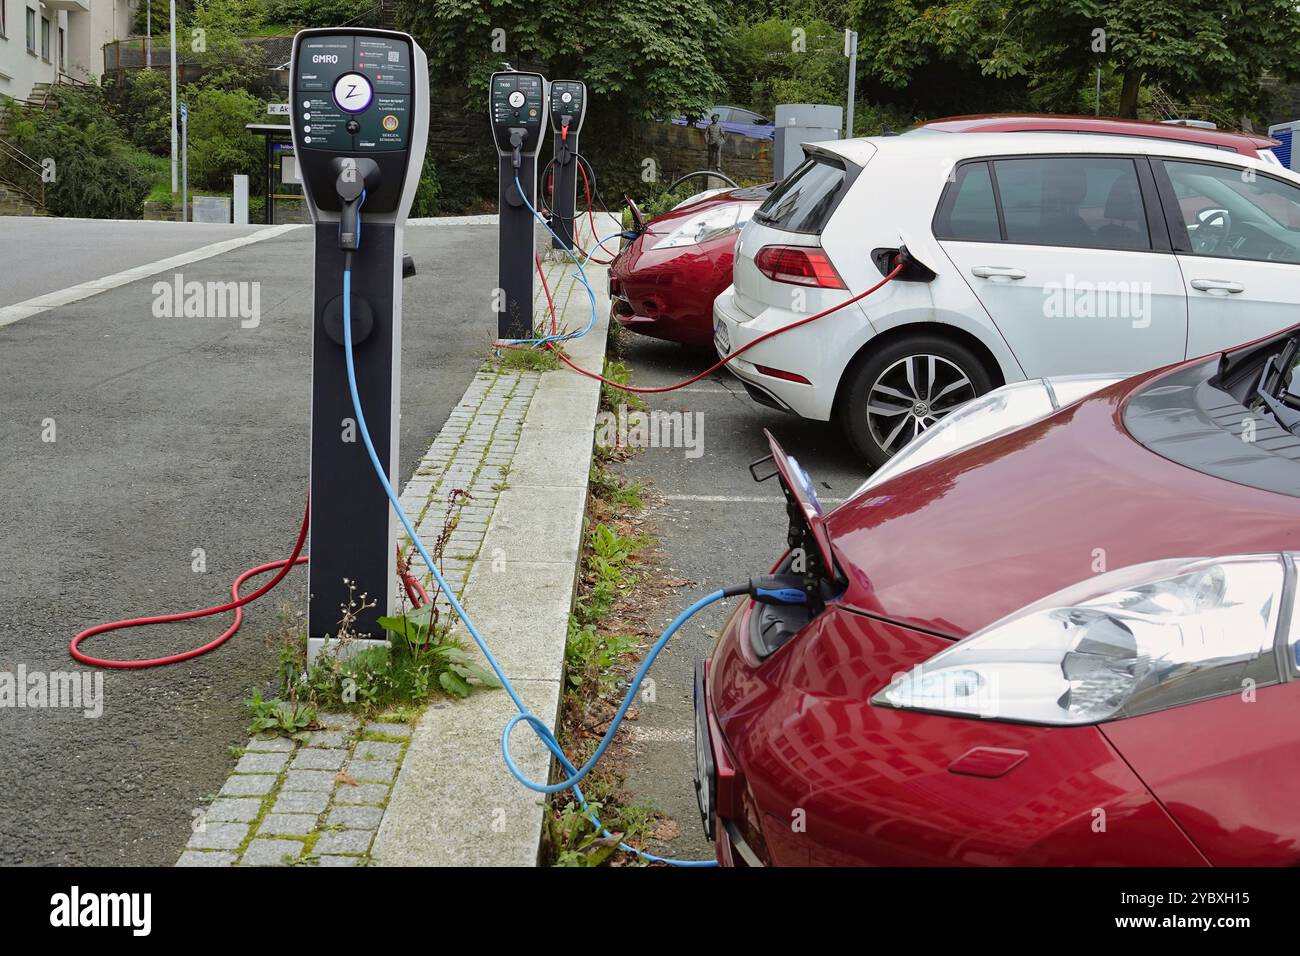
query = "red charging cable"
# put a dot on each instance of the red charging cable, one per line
(722, 361)
(592, 219)
(414, 591)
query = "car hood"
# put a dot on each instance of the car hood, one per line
(670, 220)
(960, 543)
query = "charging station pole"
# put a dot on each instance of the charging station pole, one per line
(360, 118)
(517, 110)
(568, 109)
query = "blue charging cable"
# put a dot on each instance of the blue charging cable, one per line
(524, 715)
(580, 275)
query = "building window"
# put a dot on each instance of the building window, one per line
(45, 39)
(4, 16)
(62, 47)
(31, 31)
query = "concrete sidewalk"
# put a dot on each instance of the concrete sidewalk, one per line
(455, 803)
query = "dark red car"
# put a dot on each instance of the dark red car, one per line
(664, 282)
(1060, 629)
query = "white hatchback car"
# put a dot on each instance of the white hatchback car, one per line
(1041, 254)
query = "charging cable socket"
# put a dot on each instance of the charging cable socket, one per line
(887, 259)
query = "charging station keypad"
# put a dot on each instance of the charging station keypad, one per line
(354, 93)
(517, 104)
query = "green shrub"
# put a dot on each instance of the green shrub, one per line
(144, 110)
(95, 174)
(428, 194)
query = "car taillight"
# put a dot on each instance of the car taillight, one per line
(799, 265)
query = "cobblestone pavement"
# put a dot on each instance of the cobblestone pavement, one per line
(318, 802)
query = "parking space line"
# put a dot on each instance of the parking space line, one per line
(51, 300)
(672, 735)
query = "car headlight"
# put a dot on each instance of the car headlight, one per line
(1127, 642)
(995, 413)
(710, 224)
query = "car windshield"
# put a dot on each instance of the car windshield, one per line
(1234, 416)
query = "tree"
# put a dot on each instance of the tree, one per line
(1047, 50)
(645, 60)
(1191, 48)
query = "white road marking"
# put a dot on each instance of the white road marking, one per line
(10, 314)
(669, 735)
(746, 499)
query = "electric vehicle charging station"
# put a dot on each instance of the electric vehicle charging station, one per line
(568, 109)
(517, 108)
(360, 121)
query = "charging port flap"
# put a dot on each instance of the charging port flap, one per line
(812, 556)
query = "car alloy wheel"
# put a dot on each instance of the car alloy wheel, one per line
(911, 395)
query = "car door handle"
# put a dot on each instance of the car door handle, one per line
(1217, 285)
(997, 272)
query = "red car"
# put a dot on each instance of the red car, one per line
(664, 282)
(1058, 629)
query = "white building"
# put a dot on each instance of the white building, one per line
(43, 39)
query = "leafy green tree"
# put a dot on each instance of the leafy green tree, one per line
(318, 13)
(984, 55)
(785, 61)
(639, 60)
(1191, 48)
(216, 38)
(647, 60)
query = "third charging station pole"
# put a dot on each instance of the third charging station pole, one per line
(517, 107)
(568, 109)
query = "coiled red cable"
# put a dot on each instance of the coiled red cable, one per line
(414, 591)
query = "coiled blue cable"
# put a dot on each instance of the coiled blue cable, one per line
(524, 715)
(580, 275)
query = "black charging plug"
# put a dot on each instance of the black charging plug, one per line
(517, 137)
(772, 589)
(355, 177)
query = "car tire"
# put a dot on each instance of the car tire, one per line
(897, 376)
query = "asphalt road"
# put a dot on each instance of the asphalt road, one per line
(716, 527)
(171, 435)
(47, 254)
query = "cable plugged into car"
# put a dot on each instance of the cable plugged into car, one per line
(914, 270)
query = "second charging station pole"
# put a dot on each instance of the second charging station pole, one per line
(517, 108)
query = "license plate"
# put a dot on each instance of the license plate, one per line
(706, 775)
(721, 337)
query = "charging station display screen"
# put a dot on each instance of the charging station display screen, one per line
(353, 93)
(517, 103)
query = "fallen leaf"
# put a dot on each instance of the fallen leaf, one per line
(347, 778)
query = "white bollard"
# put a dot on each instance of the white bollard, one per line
(241, 200)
